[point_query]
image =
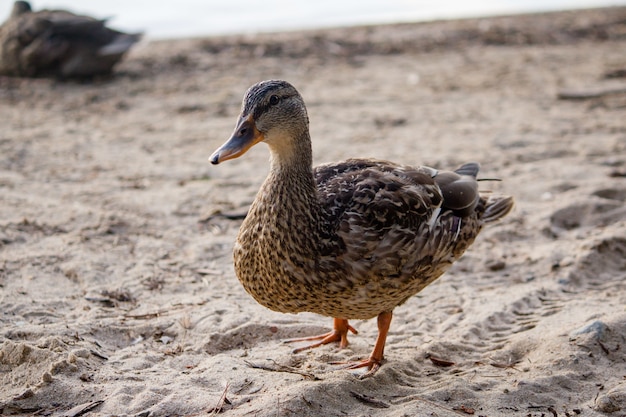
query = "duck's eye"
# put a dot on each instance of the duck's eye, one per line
(274, 100)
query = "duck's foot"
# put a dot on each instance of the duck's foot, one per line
(372, 365)
(376, 358)
(338, 334)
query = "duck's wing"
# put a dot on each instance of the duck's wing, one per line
(381, 193)
(89, 31)
(385, 220)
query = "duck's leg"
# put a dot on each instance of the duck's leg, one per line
(338, 334)
(373, 362)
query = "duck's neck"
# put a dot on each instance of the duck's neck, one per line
(291, 156)
(289, 191)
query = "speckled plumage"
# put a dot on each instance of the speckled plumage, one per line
(361, 244)
(349, 240)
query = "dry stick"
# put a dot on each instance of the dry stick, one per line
(98, 355)
(282, 368)
(590, 93)
(220, 403)
(440, 362)
(434, 404)
(79, 410)
(504, 365)
(369, 400)
(145, 316)
(162, 312)
(440, 406)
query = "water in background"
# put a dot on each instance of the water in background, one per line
(187, 18)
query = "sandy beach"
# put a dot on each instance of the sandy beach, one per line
(117, 289)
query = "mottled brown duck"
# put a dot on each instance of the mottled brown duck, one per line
(348, 240)
(57, 43)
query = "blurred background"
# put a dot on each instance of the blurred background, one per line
(191, 18)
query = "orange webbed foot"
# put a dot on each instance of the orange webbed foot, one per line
(338, 334)
(372, 365)
(376, 358)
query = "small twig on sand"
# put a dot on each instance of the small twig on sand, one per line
(220, 403)
(464, 409)
(282, 368)
(163, 312)
(369, 400)
(504, 366)
(79, 410)
(590, 93)
(145, 316)
(440, 362)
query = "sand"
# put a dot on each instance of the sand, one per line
(118, 295)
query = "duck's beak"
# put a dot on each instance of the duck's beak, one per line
(243, 138)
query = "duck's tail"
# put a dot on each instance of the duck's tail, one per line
(120, 44)
(470, 168)
(497, 207)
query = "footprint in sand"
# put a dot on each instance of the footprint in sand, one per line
(604, 208)
(602, 266)
(253, 334)
(31, 368)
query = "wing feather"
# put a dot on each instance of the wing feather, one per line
(380, 212)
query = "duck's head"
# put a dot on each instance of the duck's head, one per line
(272, 112)
(20, 7)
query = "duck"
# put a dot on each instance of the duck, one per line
(348, 240)
(60, 44)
